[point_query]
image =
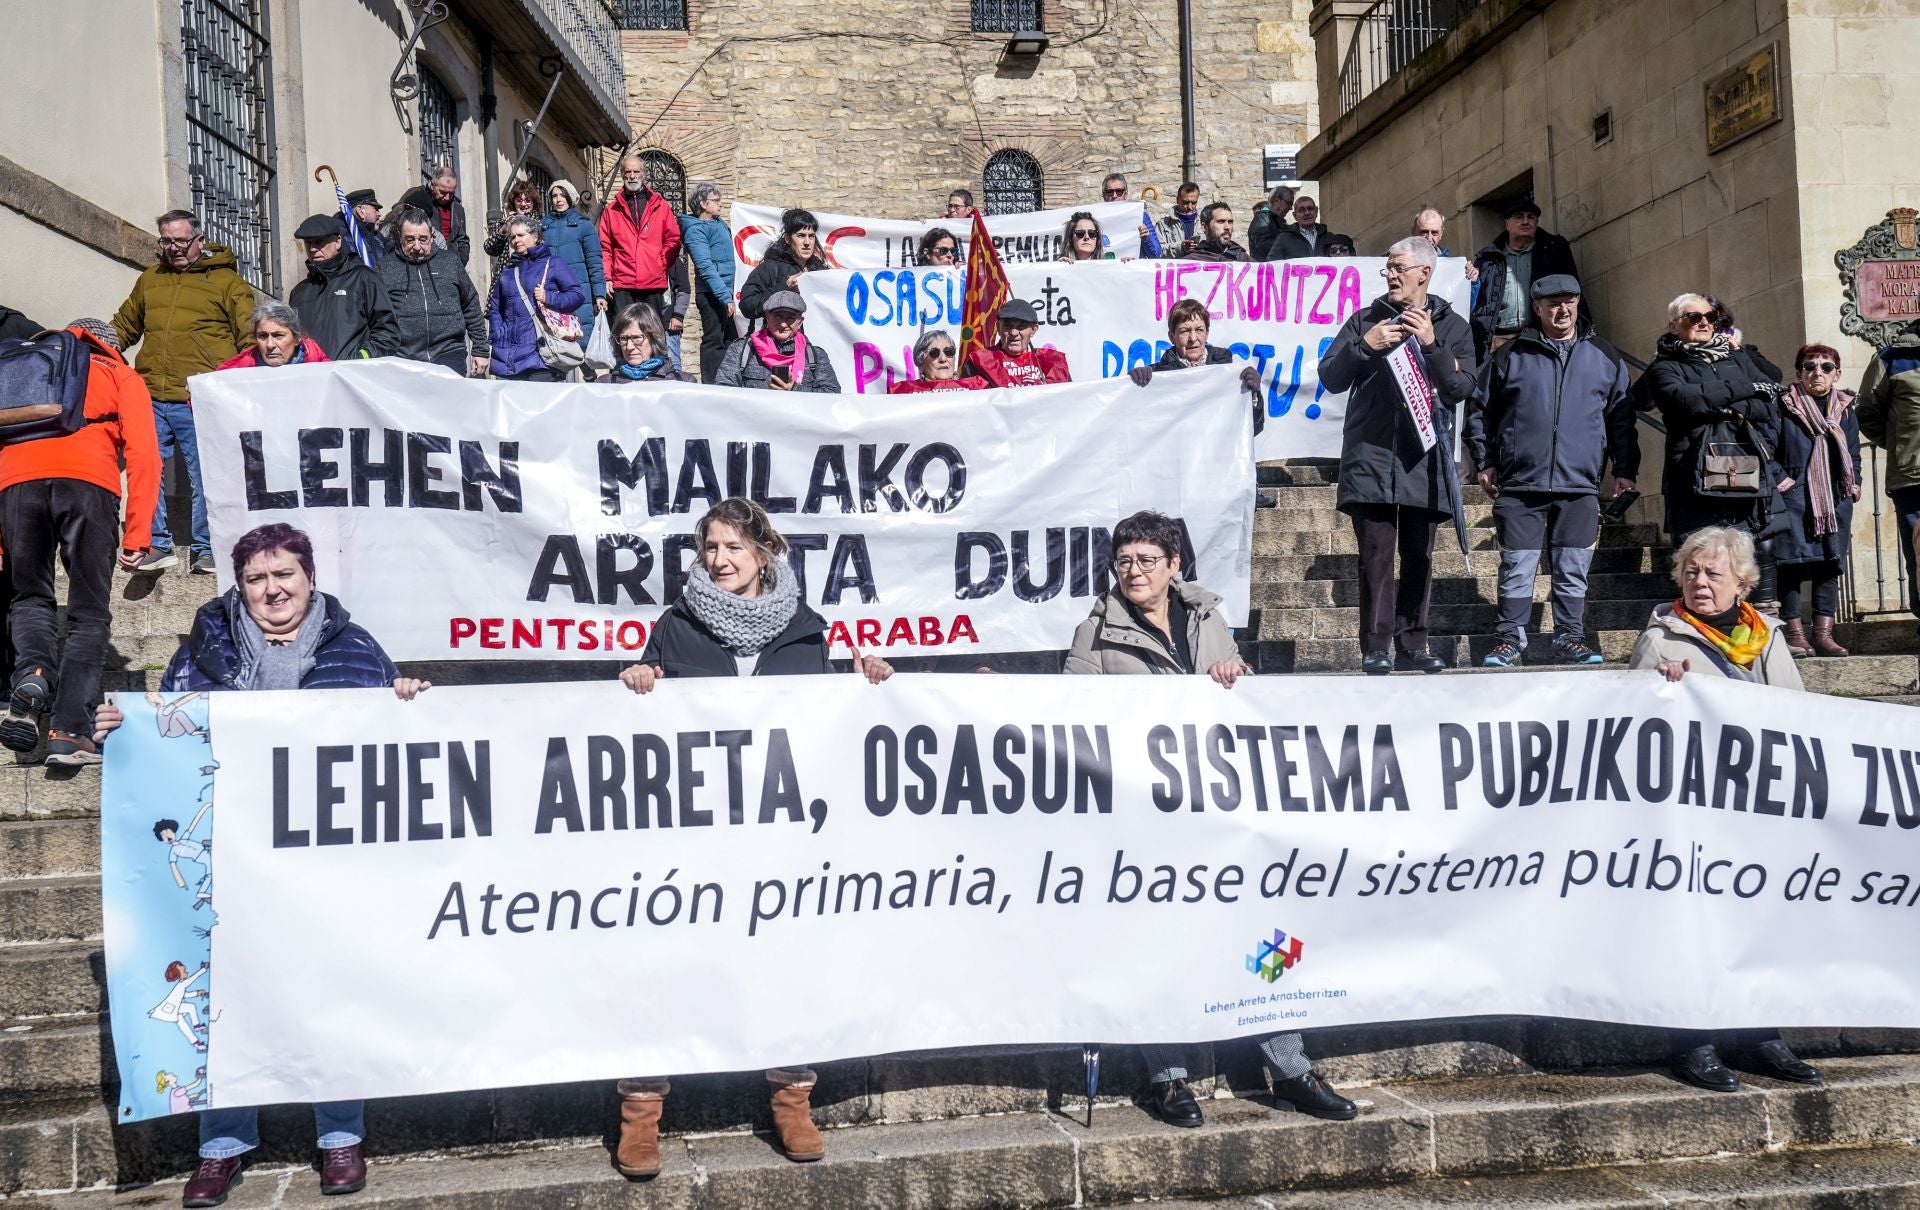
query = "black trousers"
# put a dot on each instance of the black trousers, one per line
(622, 299)
(1826, 588)
(1680, 1041)
(81, 523)
(459, 362)
(1387, 612)
(716, 333)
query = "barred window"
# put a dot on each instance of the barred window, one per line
(666, 177)
(541, 179)
(230, 148)
(651, 14)
(439, 125)
(1005, 16)
(1013, 183)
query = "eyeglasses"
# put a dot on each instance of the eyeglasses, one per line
(1126, 563)
(943, 353)
(1113, 193)
(1084, 233)
(632, 338)
(180, 243)
(1697, 319)
(1399, 270)
(1819, 367)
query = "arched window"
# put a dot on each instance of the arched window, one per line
(666, 177)
(541, 178)
(1013, 183)
(439, 125)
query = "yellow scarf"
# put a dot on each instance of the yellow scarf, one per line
(1744, 645)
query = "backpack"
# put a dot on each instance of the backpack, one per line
(43, 386)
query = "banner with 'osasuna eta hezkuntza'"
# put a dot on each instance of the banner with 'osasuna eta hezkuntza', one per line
(464, 519)
(567, 882)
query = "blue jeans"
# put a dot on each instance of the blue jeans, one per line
(225, 1133)
(174, 424)
(673, 342)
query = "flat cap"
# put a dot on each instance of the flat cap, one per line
(318, 226)
(1556, 283)
(362, 197)
(787, 300)
(1521, 205)
(1017, 311)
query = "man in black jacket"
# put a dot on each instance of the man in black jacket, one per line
(1551, 409)
(1518, 257)
(437, 313)
(1391, 482)
(342, 304)
(440, 199)
(1307, 237)
(1216, 242)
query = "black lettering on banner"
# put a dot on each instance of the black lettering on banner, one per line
(676, 564)
(798, 547)
(420, 792)
(762, 475)
(851, 568)
(253, 469)
(617, 471)
(390, 471)
(697, 480)
(829, 479)
(632, 579)
(561, 565)
(965, 587)
(1023, 583)
(316, 470)
(737, 469)
(876, 479)
(327, 794)
(559, 797)
(956, 467)
(380, 795)
(470, 788)
(501, 483)
(606, 783)
(422, 474)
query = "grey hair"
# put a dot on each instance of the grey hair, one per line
(925, 342)
(1114, 176)
(526, 222)
(1416, 249)
(1735, 544)
(275, 311)
(443, 171)
(1422, 213)
(178, 216)
(698, 195)
(1680, 303)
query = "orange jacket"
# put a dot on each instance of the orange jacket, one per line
(119, 424)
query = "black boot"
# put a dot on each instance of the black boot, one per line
(1174, 1102)
(1775, 1060)
(1310, 1095)
(1702, 1068)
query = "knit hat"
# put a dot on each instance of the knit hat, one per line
(100, 330)
(567, 187)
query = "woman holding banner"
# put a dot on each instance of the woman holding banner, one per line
(1152, 621)
(797, 251)
(274, 630)
(1082, 240)
(1187, 349)
(936, 358)
(739, 615)
(1711, 630)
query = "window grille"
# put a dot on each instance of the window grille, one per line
(230, 148)
(439, 125)
(1013, 183)
(1005, 16)
(541, 180)
(666, 177)
(651, 14)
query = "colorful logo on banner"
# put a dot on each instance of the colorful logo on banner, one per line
(1272, 959)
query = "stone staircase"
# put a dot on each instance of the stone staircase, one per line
(1505, 1112)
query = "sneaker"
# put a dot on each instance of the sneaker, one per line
(158, 560)
(1505, 654)
(1575, 651)
(66, 748)
(203, 565)
(20, 728)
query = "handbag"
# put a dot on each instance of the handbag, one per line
(557, 352)
(1732, 461)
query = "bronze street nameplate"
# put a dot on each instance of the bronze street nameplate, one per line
(1743, 99)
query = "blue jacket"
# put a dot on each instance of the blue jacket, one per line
(510, 325)
(575, 240)
(710, 243)
(1548, 420)
(348, 658)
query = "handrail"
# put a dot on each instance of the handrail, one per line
(1390, 35)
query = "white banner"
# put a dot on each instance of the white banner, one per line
(544, 883)
(851, 241)
(1412, 381)
(1278, 316)
(463, 519)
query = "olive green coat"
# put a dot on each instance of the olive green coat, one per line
(186, 321)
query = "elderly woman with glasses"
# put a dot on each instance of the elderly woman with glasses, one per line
(1084, 240)
(1820, 451)
(936, 361)
(1709, 395)
(640, 348)
(939, 248)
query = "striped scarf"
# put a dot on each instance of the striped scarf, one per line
(1828, 439)
(1741, 647)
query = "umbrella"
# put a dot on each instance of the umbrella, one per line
(1447, 468)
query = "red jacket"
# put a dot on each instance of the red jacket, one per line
(119, 424)
(636, 258)
(1035, 367)
(919, 386)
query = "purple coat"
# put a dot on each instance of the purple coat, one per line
(510, 325)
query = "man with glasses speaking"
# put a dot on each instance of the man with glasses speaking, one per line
(1402, 361)
(189, 312)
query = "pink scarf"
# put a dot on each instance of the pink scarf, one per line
(795, 363)
(1819, 473)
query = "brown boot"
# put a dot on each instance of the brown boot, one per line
(638, 1156)
(793, 1117)
(1796, 638)
(1823, 638)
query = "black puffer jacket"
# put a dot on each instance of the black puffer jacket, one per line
(1551, 254)
(1380, 457)
(770, 276)
(1548, 419)
(345, 309)
(1692, 396)
(682, 645)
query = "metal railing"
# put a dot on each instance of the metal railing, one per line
(588, 26)
(230, 144)
(1390, 35)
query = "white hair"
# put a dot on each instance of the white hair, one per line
(1423, 212)
(1416, 249)
(1681, 303)
(1714, 540)
(443, 171)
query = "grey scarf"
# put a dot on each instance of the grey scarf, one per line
(265, 665)
(744, 625)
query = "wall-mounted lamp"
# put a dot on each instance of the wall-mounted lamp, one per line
(1027, 42)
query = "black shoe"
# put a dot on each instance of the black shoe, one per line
(1310, 1095)
(1376, 663)
(1426, 661)
(1174, 1102)
(1702, 1068)
(20, 729)
(1776, 1061)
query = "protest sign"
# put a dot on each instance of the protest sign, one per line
(463, 519)
(1277, 316)
(543, 883)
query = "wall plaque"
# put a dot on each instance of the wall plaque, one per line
(1881, 276)
(1743, 99)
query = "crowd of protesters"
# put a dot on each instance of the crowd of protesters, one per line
(1762, 469)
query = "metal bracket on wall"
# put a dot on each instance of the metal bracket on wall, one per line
(404, 84)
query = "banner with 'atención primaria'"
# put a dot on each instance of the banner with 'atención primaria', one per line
(462, 519)
(546, 883)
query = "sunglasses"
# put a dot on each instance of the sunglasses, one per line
(938, 352)
(1819, 367)
(1113, 193)
(947, 250)
(1696, 319)
(1083, 233)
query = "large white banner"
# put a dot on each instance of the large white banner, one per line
(545, 883)
(463, 519)
(851, 241)
(1278, 316)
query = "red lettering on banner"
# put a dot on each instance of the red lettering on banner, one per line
(740, 243)
(833, 237)
(837, 635)
(867, 631)
(925, 630)
(962, 624)
(557, 634)
(929, 632)
(900, 632)
(460, 628)
(490, 634)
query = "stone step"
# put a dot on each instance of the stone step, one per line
(1452, 1131)
(39, 848)
(61, 1055)
(46, 978)
(50, 909)
(1447, 563)
(1339, 540)
(1298, 473)
(1282, 518)
(1457, 590)
(1477, 618)
(39, 792)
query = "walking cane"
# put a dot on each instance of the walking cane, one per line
(1090, 1060)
